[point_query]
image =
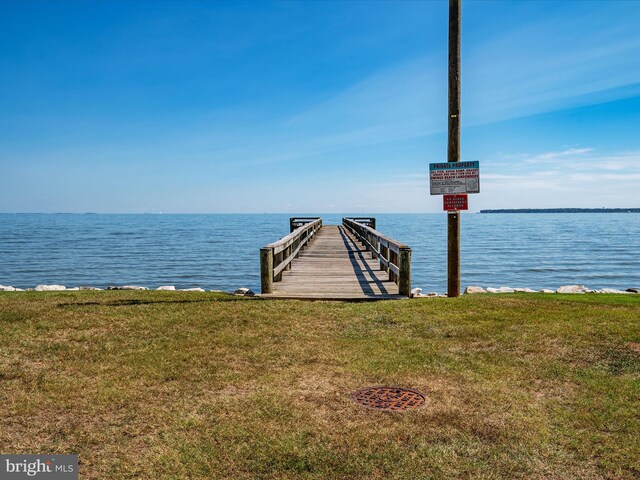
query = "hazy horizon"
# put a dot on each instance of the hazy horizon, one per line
(300, 214)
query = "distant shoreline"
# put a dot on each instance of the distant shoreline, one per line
(563, 210)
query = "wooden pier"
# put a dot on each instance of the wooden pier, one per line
(351, 261)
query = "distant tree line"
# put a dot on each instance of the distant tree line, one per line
(562, 210)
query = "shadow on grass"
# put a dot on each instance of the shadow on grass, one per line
(127, 303)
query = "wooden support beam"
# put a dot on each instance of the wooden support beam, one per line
(404, 282)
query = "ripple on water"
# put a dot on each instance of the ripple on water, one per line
(221, 251)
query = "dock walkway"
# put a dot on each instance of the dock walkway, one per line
(334, 262)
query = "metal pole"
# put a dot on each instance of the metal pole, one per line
(453, 147)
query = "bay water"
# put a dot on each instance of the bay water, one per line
(221, 251)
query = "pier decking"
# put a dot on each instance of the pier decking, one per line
(351, 261)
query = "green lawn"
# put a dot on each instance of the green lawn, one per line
(159, 385)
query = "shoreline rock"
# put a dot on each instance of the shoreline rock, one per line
(611, 290)
(50, 288)
(572, 289)
(500, 290)
(127, 287)
(244, 292)
(473, 289)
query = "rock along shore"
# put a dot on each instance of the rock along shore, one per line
(245, 292)
(415, 293)
(563, 289)
(575, 289)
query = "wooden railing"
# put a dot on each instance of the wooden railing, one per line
(394, 257)
(368, 221)
(297, 222)
(276, 257)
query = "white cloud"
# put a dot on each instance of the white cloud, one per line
(551, 156)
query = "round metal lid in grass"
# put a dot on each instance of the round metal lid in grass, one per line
(391, 399)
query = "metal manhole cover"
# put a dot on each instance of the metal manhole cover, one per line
(394, 399)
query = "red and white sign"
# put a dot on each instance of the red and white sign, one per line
(452, 178)
(455, 202)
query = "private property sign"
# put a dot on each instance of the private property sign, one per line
(454, 178)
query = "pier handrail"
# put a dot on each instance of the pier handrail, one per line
(368, 221)
(297, 222)
(394, 256)
(277, 256)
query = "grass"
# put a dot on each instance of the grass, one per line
(168, 385)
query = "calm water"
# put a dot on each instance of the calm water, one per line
(221, 251)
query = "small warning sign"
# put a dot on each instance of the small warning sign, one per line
(455, 202)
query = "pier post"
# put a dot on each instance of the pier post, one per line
(287, 252)
(385, 254)
(266, 270)
(393, 258)
(277, 260)
(404, 282)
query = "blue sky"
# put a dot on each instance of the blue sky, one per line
(313, 106)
